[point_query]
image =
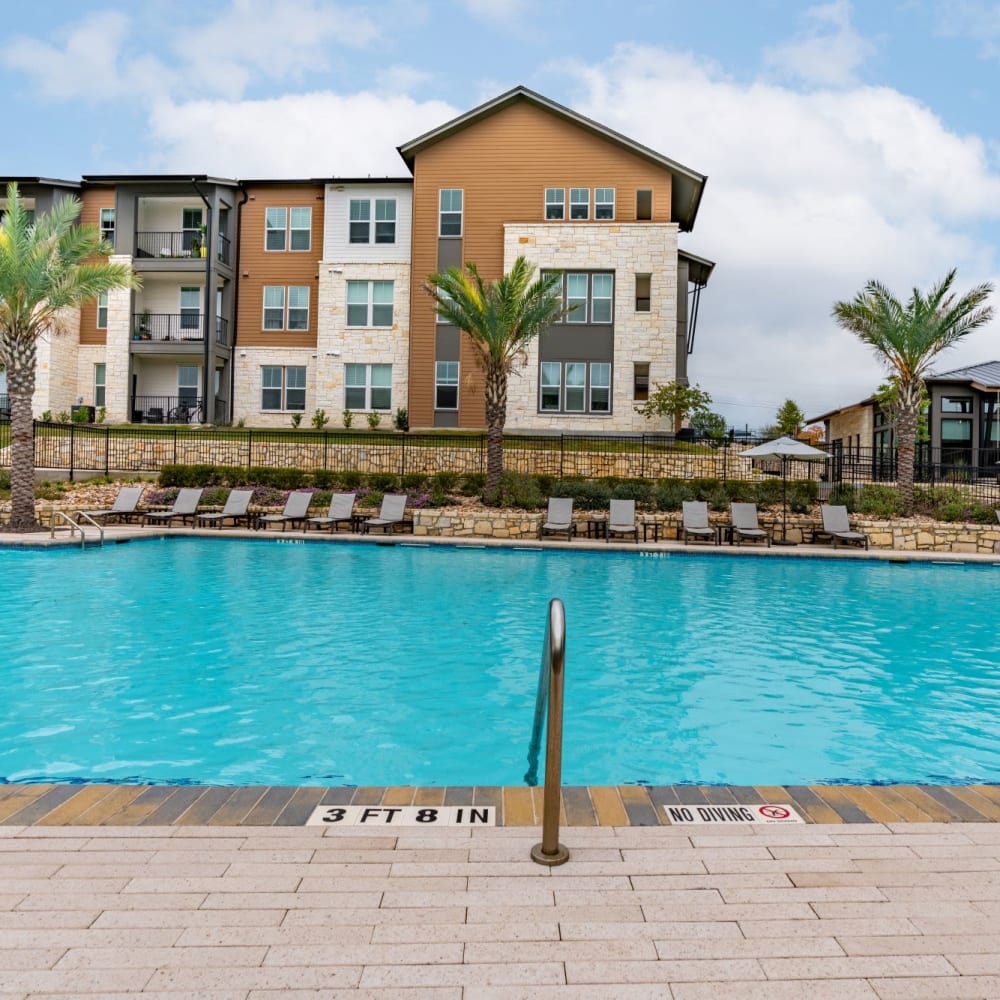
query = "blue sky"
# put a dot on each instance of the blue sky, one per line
(842, 141)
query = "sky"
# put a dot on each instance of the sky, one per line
(843, 142)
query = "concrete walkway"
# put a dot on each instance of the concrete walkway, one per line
(825, 912)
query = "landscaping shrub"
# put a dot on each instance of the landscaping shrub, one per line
(769, 493)
(671, 493)
(844, 494)
(323, 479)
(444, 482)
(587, 494)
(515, 490)
(279, 479)
(800, 498)
(740, 491)
(350, 480)
(879, 501)
(703, 489)
(642, 491)
(413, 481)
(189, 475)
(472, 484)
(964, 510)
(718, 499)
(4, 479)
(384, 482)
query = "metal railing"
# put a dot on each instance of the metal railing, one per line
(550, 691)
(166, 409)
(185, 326)
(223, 248)
(75, 526)
(166, 245)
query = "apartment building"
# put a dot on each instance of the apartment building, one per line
(264, 299)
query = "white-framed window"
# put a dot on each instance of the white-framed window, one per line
(187, 385)
(589, 296)
(108, 225)
(385, 220)
(361, 212)
(300, 228)
(102, 311)
(446, 385)
(283, 388)
(191, 222)
(190, 307)
(275, 224)
(100, 384)
(367, 387)
(574, 387)
(579, 203)
(296, 297)
(450, 210)
(369, 303)
(555, 204)
(360, 220)
(604, 203)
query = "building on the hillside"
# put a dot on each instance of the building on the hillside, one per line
(263, 299)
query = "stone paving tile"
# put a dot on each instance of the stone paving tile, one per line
(803, 989)
(639, 991)
(914, 988)
(512, 973)
(195, 982)
(692, 970)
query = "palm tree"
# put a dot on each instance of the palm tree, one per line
(501, 317)
(907, 338)
(46, 266)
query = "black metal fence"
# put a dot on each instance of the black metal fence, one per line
(95, 448)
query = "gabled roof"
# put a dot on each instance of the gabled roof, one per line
(982, 376)
(688, 184)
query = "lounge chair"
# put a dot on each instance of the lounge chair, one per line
(838, 527)
(237, 508)
(341, 512)
(694, 521)
(744, 524)
(185, 506)
(124, 507)
(622, 519)
(296, 510)
(390, 515)
(559, 518)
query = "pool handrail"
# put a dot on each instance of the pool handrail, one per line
(550, 690)
(75, 525)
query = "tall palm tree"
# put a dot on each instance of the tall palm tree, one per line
(501, 317)
(907, 338)
(46, 266)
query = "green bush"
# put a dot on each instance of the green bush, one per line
(189, 476)
(472, 484)
(845, 495)
(383, 482)
(587, 494)
(718, 499)
(445, 482)
(769, 493)
(879, 501)
(965, 510)
(279, 479)
(800, 498)
(642, 491)
(740, 491)
(323, 479)
(671, 493)
(4, 479)
(412, 482)
(350, 479)
(704, 489)
(437, 498)
(515, 490)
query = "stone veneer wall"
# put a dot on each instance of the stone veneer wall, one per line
(627, 249)
(88, 356)
(339, 344)
(247, 363)
(116, 356)
(56, 368)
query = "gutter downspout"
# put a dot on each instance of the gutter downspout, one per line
(208, 385)
(236, 293)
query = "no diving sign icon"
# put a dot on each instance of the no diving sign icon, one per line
(732, 814)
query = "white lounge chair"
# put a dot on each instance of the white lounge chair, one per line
(744, 524)
(124, 507)
(694, 521)
(622, 519)
(838, 526)
(237, 507)
(185, 506)
(341, 512)
(559, 518)
(390, 515)
(296, 510)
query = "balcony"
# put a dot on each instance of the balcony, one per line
(184, 327)
(184, 245)
(166, 409)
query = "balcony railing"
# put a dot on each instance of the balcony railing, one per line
(185, 326)
(166, 409)
(4, 406)
(172, 245)
(223, 245)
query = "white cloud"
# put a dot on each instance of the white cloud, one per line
(299, 135)
(400, 79)
(827, 53)
(809, 196)
(507, 12)
(975, 19)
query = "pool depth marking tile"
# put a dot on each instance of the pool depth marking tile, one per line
(186, 806)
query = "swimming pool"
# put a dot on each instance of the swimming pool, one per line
(260, 662)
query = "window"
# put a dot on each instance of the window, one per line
(450, 207)
(575, 387)
(190, 226)
(589, 297)
(300, 228)
(283, 388)
(190, 310)
(275, 220)
(644, 205)
(604, 203)
(446, 385)
(297, 298)
(385, 220)
(640, 381)
(579, 203)
(108, 225)
(956, 404)
(102, 311)
(642, 289)
(100, 384)
(368, 387)
(360, 221)
(187, 385)
(369, 303)
(555, 203)
(444, 295)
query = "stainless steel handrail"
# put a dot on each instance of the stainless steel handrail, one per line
(74, 526)
(550, 689)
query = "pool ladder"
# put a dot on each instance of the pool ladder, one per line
(550, 690)
(75, 526)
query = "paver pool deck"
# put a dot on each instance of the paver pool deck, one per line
(223, 894)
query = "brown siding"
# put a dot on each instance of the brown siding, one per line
(259, 267)
(93, 200)
(504, 163)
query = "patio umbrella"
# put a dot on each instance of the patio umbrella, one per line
(788, 450)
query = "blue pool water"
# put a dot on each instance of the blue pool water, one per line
(242, 662)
